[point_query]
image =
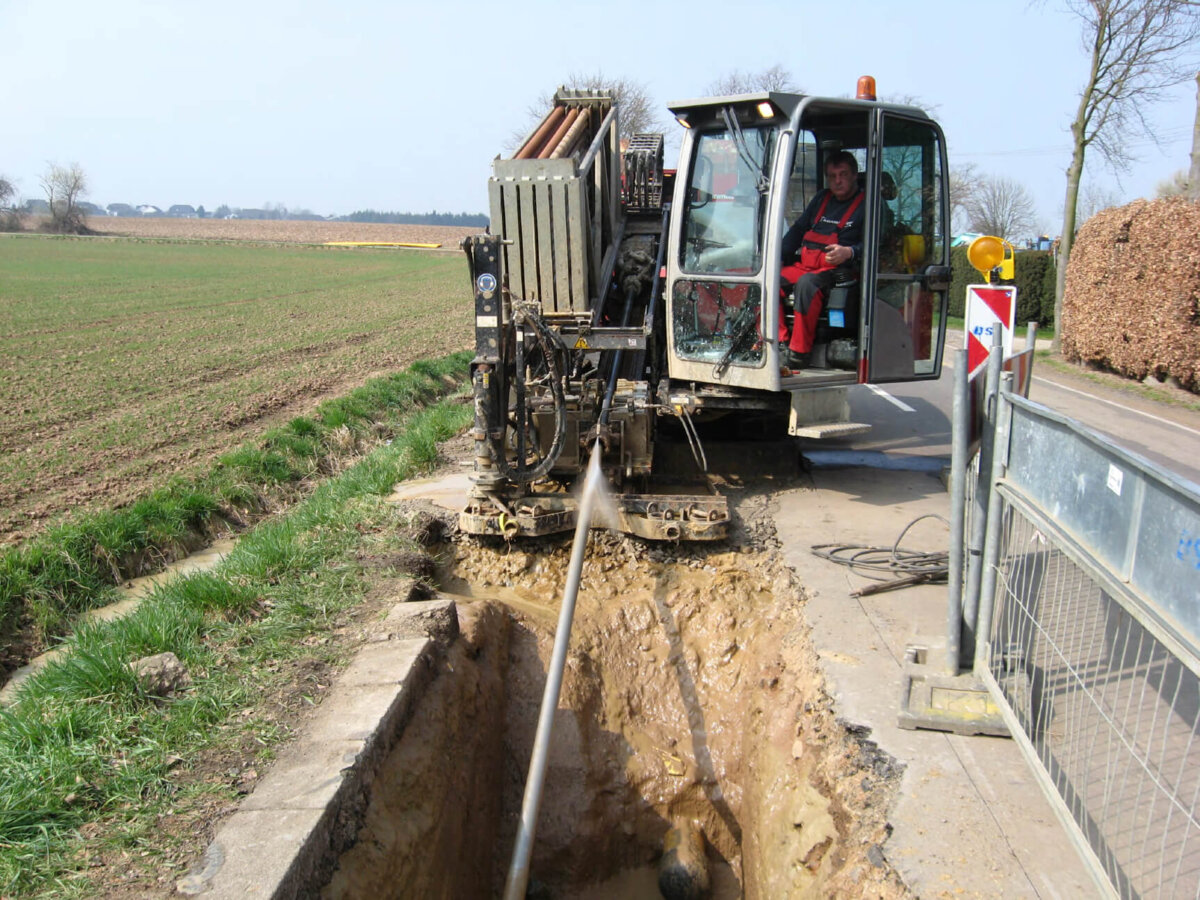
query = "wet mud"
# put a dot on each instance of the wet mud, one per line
(691, 694)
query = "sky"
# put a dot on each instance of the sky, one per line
(335, 107)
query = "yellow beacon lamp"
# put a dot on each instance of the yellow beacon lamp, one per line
(992, 256)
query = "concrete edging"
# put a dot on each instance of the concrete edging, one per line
(286, 836)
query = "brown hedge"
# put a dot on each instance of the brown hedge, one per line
(1132, 301)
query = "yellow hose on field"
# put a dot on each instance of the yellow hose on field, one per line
(381, 244)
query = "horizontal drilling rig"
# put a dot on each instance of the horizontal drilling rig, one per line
(613, 297)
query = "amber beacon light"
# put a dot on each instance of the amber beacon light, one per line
(866, 88)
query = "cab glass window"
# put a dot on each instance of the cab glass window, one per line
(726, 208)
(908, 316)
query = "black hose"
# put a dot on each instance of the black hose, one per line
(546, 343)
(910, 566)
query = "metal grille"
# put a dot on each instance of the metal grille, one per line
(1108, 709)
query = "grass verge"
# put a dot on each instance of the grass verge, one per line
(93, 770)
(48, 582)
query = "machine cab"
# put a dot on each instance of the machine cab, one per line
(749, 166)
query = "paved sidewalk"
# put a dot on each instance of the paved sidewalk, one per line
(970, 820)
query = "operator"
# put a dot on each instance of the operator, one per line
(828, 236)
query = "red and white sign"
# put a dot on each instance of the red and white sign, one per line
(988, 307)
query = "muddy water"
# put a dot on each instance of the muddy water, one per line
(690, 691)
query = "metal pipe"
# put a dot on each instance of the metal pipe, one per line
(1031, 335)
(959, 439)
(979, 516)
(597, 141)
(518, 871)
(991, 545)
(572, 136)
(530, 147)
(563, 127)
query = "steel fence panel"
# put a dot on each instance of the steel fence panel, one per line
(1091, 654)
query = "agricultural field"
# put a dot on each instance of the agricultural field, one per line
(286, 231)
(126, 362)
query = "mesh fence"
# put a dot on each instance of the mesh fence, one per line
(1109, 710)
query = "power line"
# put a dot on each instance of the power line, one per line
(1167, 138)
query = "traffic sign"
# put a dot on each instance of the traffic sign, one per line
(988, 307)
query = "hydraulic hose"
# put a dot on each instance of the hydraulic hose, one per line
(546, 343)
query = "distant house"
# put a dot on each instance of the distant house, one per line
(121, 209)
(182, 211)
(147, 209)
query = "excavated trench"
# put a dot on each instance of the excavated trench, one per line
(691, 695)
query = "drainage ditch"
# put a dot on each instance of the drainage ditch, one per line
(691, 698)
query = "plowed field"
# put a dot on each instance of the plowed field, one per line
(277, 230)
(126, 361)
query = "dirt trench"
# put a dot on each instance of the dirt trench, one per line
(691, 693)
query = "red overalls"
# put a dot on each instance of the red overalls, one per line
(809, 276)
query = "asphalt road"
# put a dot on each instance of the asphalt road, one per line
(914, 418)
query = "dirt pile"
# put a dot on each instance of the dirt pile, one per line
(1132, 300)
(691, 692)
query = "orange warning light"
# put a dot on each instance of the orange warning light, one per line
(866, 88)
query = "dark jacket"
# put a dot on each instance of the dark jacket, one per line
(851, 235)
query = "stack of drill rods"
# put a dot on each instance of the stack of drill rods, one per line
(558, 134)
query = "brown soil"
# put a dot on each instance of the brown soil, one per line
(272, 230)
(691, 692)
(86, 431)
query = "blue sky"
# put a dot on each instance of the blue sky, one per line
(341, 106)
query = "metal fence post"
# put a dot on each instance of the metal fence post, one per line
(995, 510)
(959, 439)
(979, 512)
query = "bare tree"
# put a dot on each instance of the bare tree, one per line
(774, 78)
(1194, 171)
(636, 112)
(65, 186)
(1177, 185)
(999, 206)
(1093, 199)
(963, 180)
(1138, 49)
(10, 214)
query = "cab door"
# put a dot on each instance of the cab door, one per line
(905, 322)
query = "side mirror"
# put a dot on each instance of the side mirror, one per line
(937, 278)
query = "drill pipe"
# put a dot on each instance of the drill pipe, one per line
(572, 136)
(530, 147)
(557, 137)
(518, 872)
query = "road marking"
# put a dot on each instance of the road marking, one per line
(1063, 387)
(880, 392)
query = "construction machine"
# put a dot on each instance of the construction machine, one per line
(617, 301)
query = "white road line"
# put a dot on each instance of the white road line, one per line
(880, 392)
(1063, 387)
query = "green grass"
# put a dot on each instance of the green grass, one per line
(46, 583)
(84, 744)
